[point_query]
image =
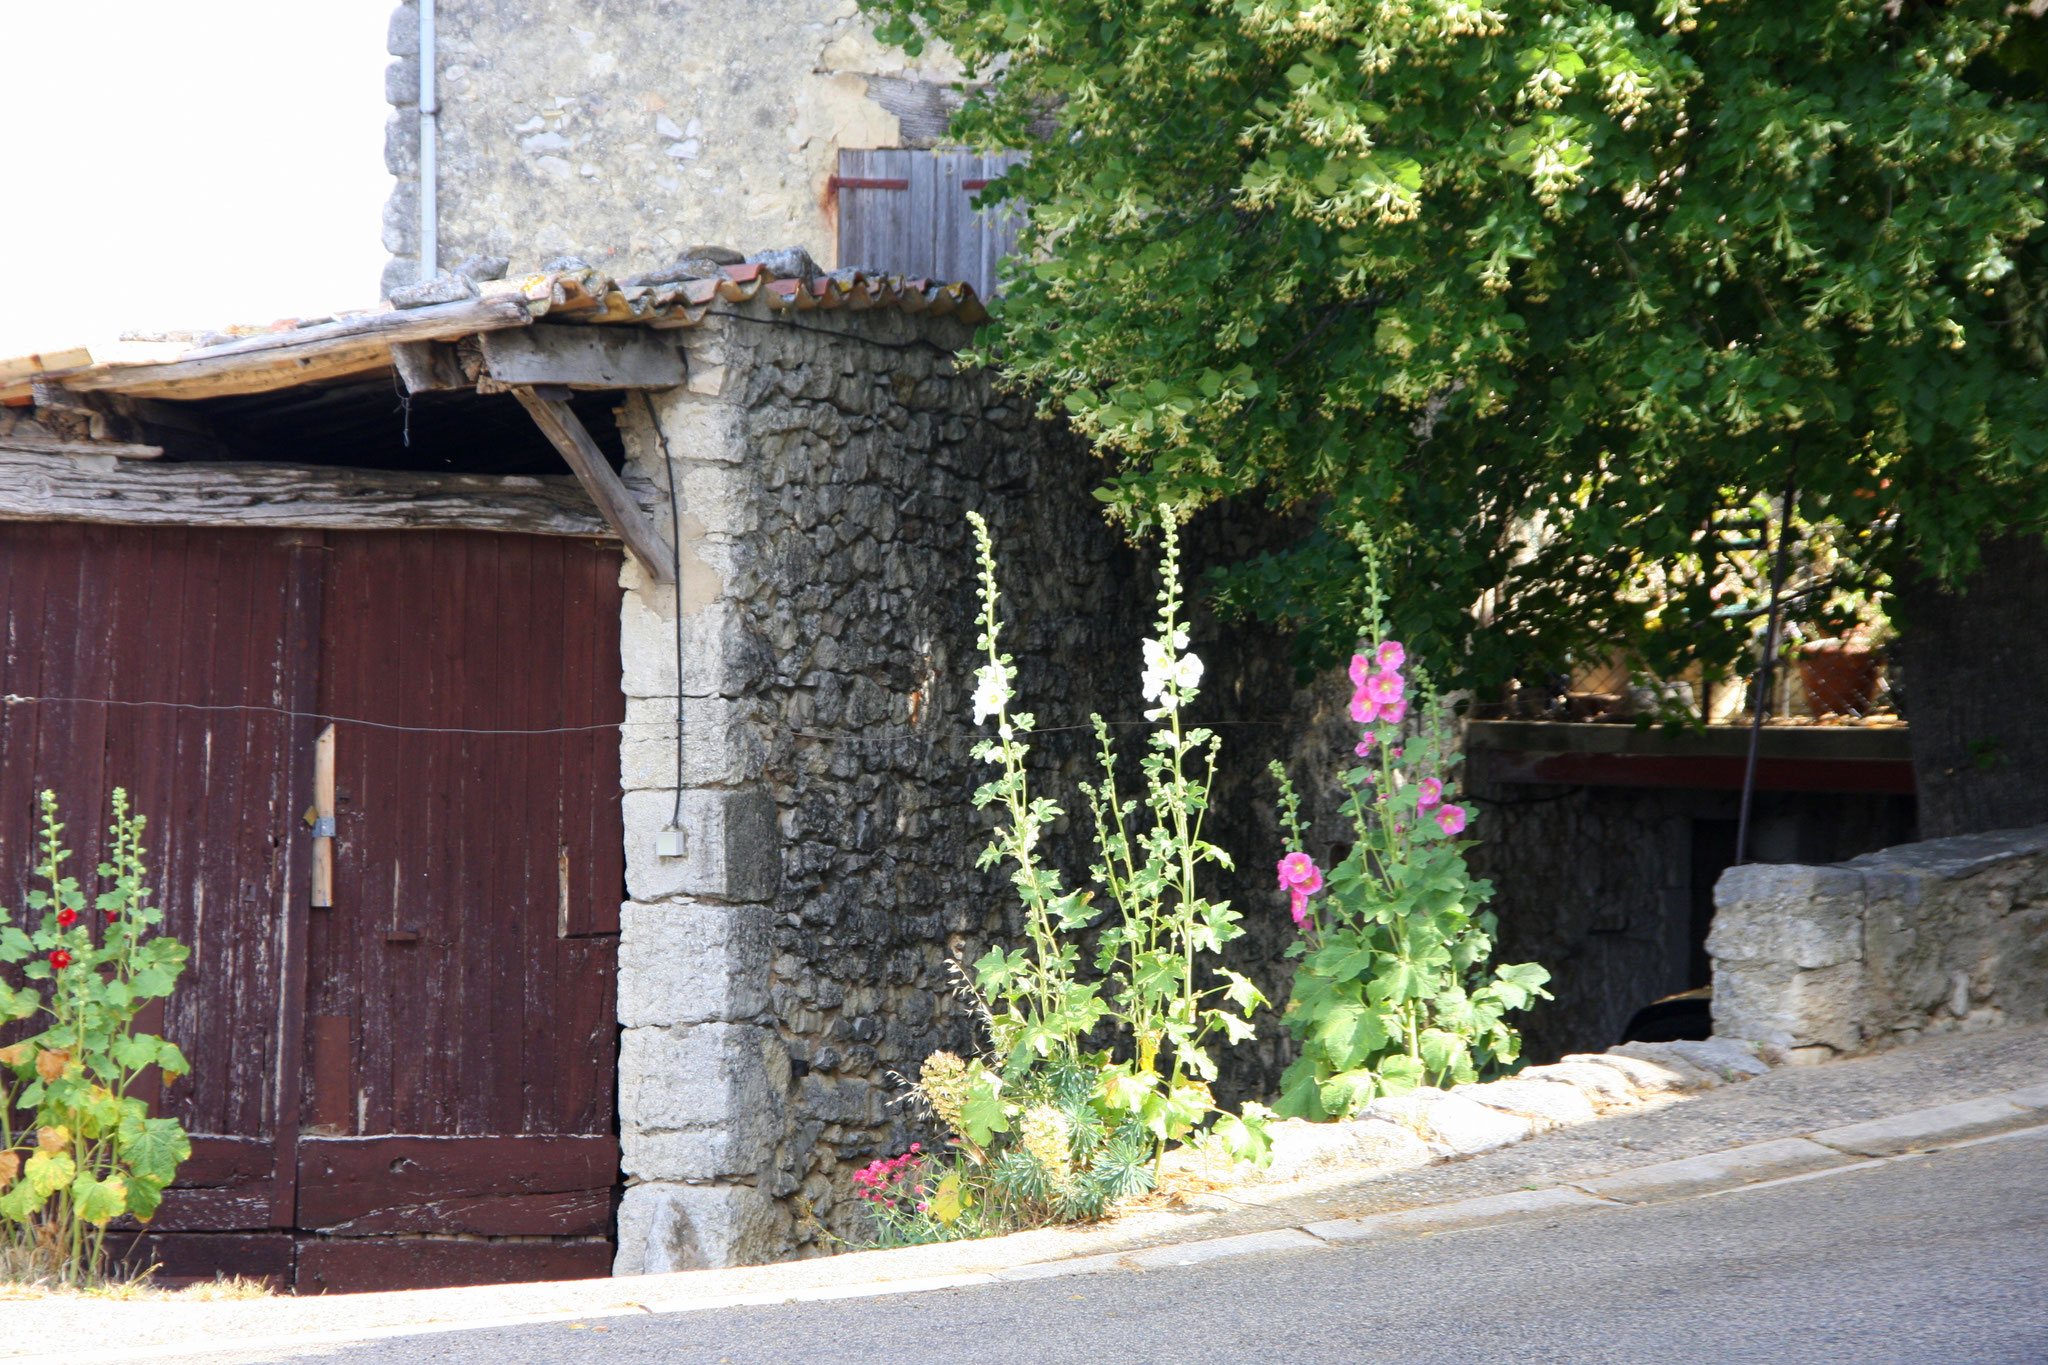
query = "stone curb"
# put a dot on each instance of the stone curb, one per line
(1714, 1171)
(1463, 1213)
(1909, 1132)
(1907, 1136)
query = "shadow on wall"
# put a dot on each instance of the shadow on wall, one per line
(1612, 888)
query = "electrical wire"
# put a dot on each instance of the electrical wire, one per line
(897, 737)
(675, 552)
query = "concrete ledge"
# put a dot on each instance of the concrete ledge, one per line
(1929, 1127)
(1465, 1213)
(1714, 1171)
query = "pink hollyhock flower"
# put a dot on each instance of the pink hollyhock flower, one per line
(1364, 709)
(1360, 667)
(1391, 656)
(1452, 819)
(1432, 792)
(1364, 746)
(1385, 687)
(1393, 712)
(1297, 901)
(1299, 872)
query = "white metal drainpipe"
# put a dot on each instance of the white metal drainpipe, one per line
(430, 107)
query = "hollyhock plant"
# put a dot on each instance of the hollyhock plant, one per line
(1393, 989)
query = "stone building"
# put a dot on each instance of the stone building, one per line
(620, 133)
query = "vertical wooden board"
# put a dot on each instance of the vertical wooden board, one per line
(238, 935)
(853, 249)
(953, 218)
(368, 644)
(910, 215)
(544, 594)
(38, 549)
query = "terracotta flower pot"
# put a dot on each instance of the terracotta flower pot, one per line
(1839, 677)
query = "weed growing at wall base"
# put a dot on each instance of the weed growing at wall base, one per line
(92, 1152)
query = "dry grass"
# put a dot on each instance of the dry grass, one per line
(25, 1276)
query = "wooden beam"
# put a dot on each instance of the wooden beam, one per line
(561, 425)
(57, 445)
(280, 359)
(226, 376)
(582, 358)
(429, 367)
(40, 487)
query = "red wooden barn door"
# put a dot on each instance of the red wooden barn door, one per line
(460, 1049)
(160, 660)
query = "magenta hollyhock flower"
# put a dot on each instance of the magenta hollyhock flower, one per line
(1364, 709)
(1431, 793)
(1391, 656)
(1385, 687)
(1299, 872)
(1452, 819)
(1360, 667)
(1297, 901)
(1393, 712)
(1364, 746)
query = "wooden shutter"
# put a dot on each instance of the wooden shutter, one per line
(906, 212)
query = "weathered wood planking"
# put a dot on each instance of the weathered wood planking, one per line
(362, 1265)
(929, 229)
(345, 1178)
(486, 1047)
(40, 487)
(97, 614)
(276, 360)
(583, 357)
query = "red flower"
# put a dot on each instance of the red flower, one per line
(66, 917)
(60, 959)
(113, 915)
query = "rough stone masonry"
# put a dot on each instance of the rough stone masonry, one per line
(1944, 935)
(779, 976)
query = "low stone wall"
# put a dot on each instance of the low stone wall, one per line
(1852, 957)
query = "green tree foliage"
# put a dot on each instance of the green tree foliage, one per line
(1534, 287)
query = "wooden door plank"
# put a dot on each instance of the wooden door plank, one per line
(361, 1265)
(344, 1178)
(302, 773)
(570, 1213)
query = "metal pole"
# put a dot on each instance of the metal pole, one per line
(1762, 699)
(430, 107)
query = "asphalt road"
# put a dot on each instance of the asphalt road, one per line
(1940, 1259)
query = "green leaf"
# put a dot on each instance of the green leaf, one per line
(97, 1201)
(46, 1173)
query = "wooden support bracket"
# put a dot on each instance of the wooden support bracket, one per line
(555, 418)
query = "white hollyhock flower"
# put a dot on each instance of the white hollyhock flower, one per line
(991, 692)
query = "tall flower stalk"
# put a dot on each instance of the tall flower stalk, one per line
(1393, 990)
(1149, 867)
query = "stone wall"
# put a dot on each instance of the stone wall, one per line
(620, 133)
(1852, 957)
(781, 978)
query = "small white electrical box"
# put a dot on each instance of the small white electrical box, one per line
(669, 844)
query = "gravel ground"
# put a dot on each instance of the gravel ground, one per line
(1783, 1103)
